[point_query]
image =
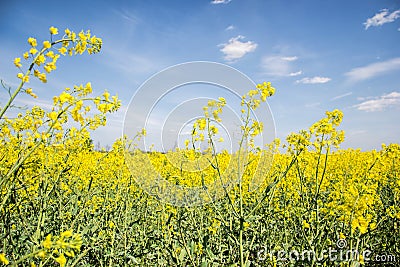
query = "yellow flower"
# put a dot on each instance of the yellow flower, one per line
(42, 77)
(3, 259)
(199, 248)
(64, 97)
(67, 233)
(215, 114)
(202, 124)
(213, 129)
(62, 50)
(306, 225)
(266, 90)
(201, 137)
(106, 95)
(342, 236)
(32, 41)
(52, 115)
(363, 229)
(88, 88)
(30, 92)
(50, 54)
(17, 62)
(70, 253)
(40, 60)
(46, 44)
(53, 30)
(215, 226)
(361, 260)
(24, 78)
(61, 260)
(26, 55)
(47, 242)
(33, 51)
(47, 68)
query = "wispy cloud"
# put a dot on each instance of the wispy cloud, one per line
(381, 18)
(230, 28)
(341, 96)
(372, 70)
(294, 58)
(380, 103)
(216, 2)
(236, 49)
(279, 66)
(129, 17)
(297, 73)
(314, 80)
(364, 98)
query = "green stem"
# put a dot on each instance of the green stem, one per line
(241, 225)
(185, 245)
(30, 255)
(272, 186)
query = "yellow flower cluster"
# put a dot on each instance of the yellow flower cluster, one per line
(56, 247)
(47, 55)
(322, 134)
(254, 97)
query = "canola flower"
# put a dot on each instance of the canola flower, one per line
(64, 203)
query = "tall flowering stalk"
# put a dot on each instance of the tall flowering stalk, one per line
(21, 137)
(206, 128)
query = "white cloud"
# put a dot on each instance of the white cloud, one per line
(381, 18)
(229, 28)
(236, 49)
(292, 74)
(294, 58)
(341, 96)
(279, 66)
(361, 98)
(314, 80)
(380, 103)
(374, 69)
(215, 2)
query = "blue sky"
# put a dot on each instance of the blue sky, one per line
(320, 55)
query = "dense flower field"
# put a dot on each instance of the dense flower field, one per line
(63, 203)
